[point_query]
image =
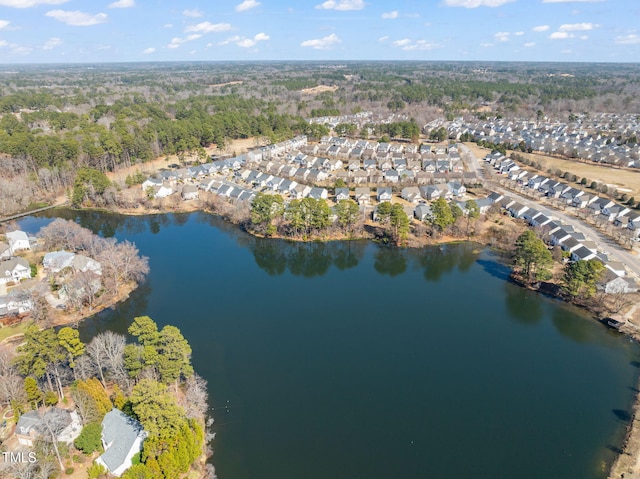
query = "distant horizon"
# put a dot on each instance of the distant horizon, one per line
(126, 31)
(318, 61)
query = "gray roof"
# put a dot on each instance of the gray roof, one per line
(27, 422)
(120, 431)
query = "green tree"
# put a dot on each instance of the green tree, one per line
(174, 355)
(264, 209)
(441, 214)
(69, 339)
(33, 392)
(473, 212)
(399, 223)
(156, 409)
(581, 277)
(39, 351)
(347, 212)
(88, 185)
(531, 257)
(90, 438)
(145, 329)
(340, 183)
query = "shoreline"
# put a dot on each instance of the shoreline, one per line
(627, 460)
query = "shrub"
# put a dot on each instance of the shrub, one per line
(50, 398)
(89, 439)
(69, 470)
(95, 470)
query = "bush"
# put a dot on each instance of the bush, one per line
(90, 439)
(584, 181)
(77, 458)
(34, 269)
(69, 470)
(50, 398)
(95, 470)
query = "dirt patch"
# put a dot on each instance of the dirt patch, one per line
(219, 85)
(318, 89)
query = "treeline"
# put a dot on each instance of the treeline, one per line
(313, 218)
(150, 380)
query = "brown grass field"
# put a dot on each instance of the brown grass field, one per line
(625, 180)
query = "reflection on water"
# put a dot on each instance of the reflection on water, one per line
(351, 359)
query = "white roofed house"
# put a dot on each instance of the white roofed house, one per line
(363, 196)
(122, 438)
(14, 270)
(189, 192)
(456, 188)
(18, 241)
(84, 264)
(5, 251)
(57, 260)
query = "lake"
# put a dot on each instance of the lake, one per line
(352, 360)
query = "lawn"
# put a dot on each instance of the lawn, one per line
(8, 331)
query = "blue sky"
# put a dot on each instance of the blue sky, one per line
(35, 31)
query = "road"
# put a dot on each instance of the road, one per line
(606, 244)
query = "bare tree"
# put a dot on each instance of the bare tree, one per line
(196, 397)
(52, 424)
(107, 352)
(85, 367)
(12, 389)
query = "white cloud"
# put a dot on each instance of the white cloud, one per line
(584, 37)
(207, 27)
(167, 25)
(572, 1)
(77, 18)
(476, 3)
(518, 34)
(148, 51)
(245, 42)
(530, 44)
(409, 45)
(342, 5)
(390, 15)
(578, 27)
(567, 51)
(29, 3)
(402, 43)
(123, 4)
(631, 39)
(560, 36)
(52, 43)
(193, 13)
(383, 39)
(502, 36)
(487, 45)
(541, 28)
(176, 41)
(421, 45)
(4, 24)
(247, 5)
(3, 43)
(325, 43)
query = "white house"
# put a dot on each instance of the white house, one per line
(18, 241)
(13, 270)
(57, 260)
(122, 438)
